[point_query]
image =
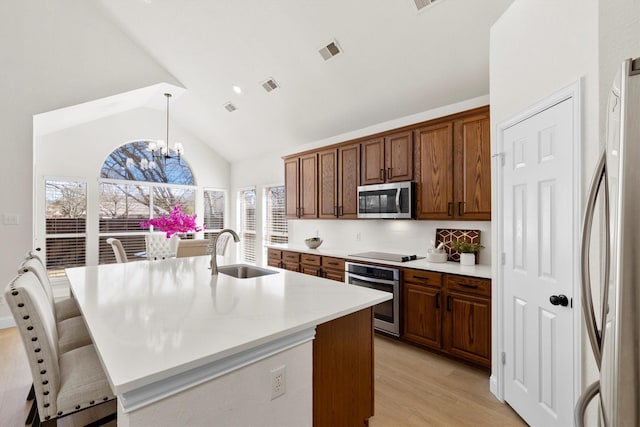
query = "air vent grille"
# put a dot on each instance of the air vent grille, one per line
(421, 4)
(229, 107)
(270, 85)
(330, 50)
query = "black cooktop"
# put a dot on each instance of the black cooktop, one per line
(385, 256)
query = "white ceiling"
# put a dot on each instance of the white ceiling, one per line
(396, 62)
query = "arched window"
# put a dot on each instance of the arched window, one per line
(136, 186)
(135, 162)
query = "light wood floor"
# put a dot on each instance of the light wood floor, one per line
(413, 388)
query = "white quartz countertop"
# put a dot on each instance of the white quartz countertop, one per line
(151, 320)
(478, 270)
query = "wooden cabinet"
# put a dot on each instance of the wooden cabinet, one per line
(301, 182)
(450, 313)
(311, 264)
(468, 319)
(339, 170)
(453, 168)
(422, 307)
(387, 159)
(343, 381)
(473, 167)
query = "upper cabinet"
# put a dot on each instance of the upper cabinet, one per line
(453, 168)
(449, 159)
(388, 159)
(339, 179)
(301, 182)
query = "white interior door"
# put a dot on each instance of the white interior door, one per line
(539, 248)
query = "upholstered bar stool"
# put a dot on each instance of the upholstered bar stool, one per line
(159, 247)
(118, 250)
(64, 382)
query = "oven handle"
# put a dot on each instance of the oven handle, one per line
(370, 279)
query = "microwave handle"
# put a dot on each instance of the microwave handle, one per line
(398, 210)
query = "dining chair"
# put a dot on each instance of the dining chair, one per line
(158, 246)
(118, 250)
(192, 247)
(64, 382)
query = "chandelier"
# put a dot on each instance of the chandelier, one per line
(160, 150)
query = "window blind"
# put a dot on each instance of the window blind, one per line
(65, 225)
(214, 206)
(247, 223)
(275, 221)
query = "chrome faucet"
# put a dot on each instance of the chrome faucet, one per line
(214, 252)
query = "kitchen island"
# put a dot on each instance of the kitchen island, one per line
(182, 347)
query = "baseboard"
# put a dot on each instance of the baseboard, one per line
(493, 386)
(7, 322)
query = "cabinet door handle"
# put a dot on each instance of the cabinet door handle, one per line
(340, 211)
(438, 300)
(389, 176)
(381, 174)
(466, 285)
(449, 207)
(460, 213)
(301, 212)
(421, 278)
(319, 273)
(448, 302)
(335, 211)
(332, 263)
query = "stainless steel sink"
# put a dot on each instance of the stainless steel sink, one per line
(244, 271)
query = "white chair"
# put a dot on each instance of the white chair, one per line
(118, 250)
(193, 247)
(64, 382)
(159, 247)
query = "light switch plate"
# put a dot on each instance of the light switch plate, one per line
(10, 219)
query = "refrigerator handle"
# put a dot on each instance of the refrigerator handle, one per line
(587, 298)
(583, 402)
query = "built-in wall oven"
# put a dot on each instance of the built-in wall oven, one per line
(387, 314)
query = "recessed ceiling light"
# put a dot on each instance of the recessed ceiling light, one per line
(330, 50)
(237, 89)
(269, 85)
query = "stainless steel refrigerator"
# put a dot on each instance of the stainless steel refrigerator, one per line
(613, 323)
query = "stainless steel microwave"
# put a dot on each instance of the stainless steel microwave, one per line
(395, 200)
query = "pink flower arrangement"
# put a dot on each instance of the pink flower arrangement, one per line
(176, 222)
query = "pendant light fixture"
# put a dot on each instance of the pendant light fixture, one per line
(160, 150)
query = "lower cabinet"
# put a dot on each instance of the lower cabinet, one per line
(452, 316)
(311, 264)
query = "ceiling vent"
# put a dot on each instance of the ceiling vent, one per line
(229, 107)
(269, 85)
(421, 4)
(330, 50)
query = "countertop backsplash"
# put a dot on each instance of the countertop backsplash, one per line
(398, 236)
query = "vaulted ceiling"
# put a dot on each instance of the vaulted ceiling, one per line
(396, 61)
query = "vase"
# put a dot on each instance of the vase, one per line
(467, 259)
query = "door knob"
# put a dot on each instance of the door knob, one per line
(559, 300)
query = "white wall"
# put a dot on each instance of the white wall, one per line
(536, 49)
(53, 54)
(64, 154)
(399, 236)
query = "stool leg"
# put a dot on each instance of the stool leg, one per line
(32, 413)
(32, 393)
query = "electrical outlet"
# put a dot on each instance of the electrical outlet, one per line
(278, 382)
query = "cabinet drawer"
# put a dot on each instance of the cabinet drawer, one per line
(274, 254)
(291, 256)
(291, 266)
(333, 263)
(310, 259)
(423, 277)
(469, 285)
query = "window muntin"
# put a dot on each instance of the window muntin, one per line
(214, 211)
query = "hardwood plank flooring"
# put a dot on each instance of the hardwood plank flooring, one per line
(417, 388)
(413, 388)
